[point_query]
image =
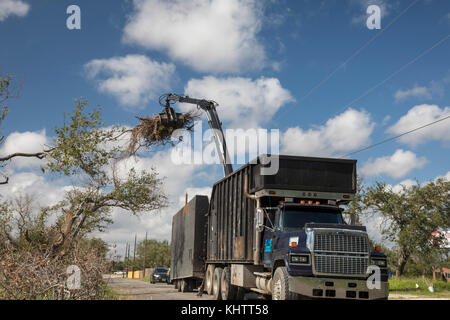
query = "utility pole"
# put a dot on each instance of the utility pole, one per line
(134, 255)
(126, 260)
(145, 250)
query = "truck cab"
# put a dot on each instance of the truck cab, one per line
(318, 253)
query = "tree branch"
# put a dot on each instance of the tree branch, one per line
(39, 155)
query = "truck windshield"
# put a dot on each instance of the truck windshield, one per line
(297, 218)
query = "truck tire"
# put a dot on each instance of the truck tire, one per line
(227, 290)
(216, 283)
(240, 293)
(280, 285)
(185, 285)
(209, 279)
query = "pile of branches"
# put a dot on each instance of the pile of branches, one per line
(34, 273)
(153, 132)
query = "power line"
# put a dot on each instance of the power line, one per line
(394, 138)
(357, 52)
(391, 75)
(398, 71)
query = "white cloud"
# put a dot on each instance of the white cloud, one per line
(408, 183)
(435, 89)
(208, 35)
(13, 7)
(25, 142)
(421, 115)
(178, 180)
(133, 79)
(446, 176)
(396, 166)
(243, 102)
(347, 131)
(46, 193)
(417, 92)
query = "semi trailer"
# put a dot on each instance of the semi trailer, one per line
(280, 235)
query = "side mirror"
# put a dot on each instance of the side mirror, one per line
(259, 225)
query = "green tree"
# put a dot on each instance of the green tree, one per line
(97, 245)
(157, 254)
(409, 218)
(89, 153)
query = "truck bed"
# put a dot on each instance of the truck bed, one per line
(231, 214)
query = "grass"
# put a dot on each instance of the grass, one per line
(110, 294)
(407, 286)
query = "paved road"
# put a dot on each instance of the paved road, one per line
(140, 290)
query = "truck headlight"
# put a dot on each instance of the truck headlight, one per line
(380, 263)
(299, 259)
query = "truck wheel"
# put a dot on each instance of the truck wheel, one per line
(240, 293)
(209, 279)
(185, 285)
(228, 291)
(216, 283)
(280, 285)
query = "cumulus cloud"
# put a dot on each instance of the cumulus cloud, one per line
(421, 115)
(347, 131)
(396, 166)
(25, 142)
(418, 92)
(421, 92)
(45, 192)
(207, 35)
(243, 102)
(13, 8)
(132, 79)
(178, 180)
(446, 176)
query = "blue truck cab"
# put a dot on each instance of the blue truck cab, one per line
(323, 256)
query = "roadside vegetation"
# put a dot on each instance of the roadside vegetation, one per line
(408, 218)
(43, 249)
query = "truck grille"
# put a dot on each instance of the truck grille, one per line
(333, 242)
(342, 253)
(340, 264)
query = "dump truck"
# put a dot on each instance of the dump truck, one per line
(281, 235)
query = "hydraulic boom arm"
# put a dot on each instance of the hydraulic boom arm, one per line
(213, 120)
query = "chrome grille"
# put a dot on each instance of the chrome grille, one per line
(341, 242)
(340, 252)
(340, 264)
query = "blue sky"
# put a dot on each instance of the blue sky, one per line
(269, 54)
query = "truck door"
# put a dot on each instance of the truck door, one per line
(269, 237)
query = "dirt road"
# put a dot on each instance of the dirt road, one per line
(140, 290)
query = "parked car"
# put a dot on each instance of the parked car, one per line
(120, 272)
(159, 275)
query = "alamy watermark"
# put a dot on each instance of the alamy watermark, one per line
(73, 281)
(374, 19)
(374, 280)
(242, 145)
(73, 22)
